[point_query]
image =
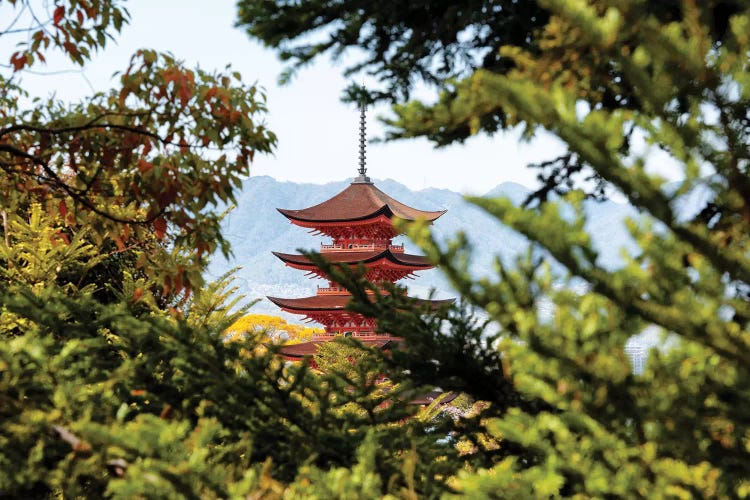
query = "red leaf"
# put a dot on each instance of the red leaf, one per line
(120, 244)
(160, 227)
(70, 48)
(62, 208)
(166, 412)
(18, 60)
(178, 282)
(123, 95)
(63, 237)
(137, 294)
(58, 15)
(80, 16)
(144, 166)
(184, 94)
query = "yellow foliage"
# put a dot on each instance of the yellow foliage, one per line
(271, 326)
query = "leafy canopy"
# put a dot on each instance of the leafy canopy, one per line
(135, 392)
(443, 45)
(602, 76)
(116, 376)
(156, 154)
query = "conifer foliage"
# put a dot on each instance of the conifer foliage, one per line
(624, 84)
(116, 375)
(116, 378)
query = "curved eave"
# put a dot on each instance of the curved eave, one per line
(385, 210)
(310, 348)
(354, 258)
(299, 216)
(312, 303)
(358, 202)
(335, 303)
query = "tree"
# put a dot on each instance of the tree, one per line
(444, 45)
(155, 155)
(273, 327)
(138, 393)
(678, 76)
(116, 378)
(402, 45)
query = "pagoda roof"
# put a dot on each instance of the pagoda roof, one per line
(334, 302)
(359, 201)
(310, 348)
(355, 257)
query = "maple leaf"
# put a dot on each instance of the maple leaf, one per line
(58, 15)
(160, 227)
(18, 60)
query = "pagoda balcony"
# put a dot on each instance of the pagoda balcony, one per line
(332, 290)
(361, 246)
(340, 290)
(363, 335)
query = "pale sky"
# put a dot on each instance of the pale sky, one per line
(318, 135)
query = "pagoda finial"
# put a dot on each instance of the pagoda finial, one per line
(362, 140)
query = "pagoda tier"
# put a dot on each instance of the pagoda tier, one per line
(361, 211)
(381, 264)
(378, 227)
(359, 219)
(330, 311)
(297, 352)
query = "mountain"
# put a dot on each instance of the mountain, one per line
(255, 228)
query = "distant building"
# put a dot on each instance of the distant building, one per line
(359, 220)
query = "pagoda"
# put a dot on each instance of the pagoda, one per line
(359, 223)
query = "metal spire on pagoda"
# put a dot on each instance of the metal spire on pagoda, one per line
(362, 141)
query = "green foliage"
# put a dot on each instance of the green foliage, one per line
(150, 158)
(215, 307)
(36, 251)
(361, 481)
(680, 428)
(95, 400)
(616, 81)
(135, 392)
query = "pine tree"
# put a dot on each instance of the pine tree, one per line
(617, 82)
(680, 429)
(116, 376)
(138, 393)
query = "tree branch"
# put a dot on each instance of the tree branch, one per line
(72, 192)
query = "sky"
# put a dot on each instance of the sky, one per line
(318, 134)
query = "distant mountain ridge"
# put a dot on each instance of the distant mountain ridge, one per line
(255, 229)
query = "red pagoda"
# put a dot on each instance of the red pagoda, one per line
(359, 221)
